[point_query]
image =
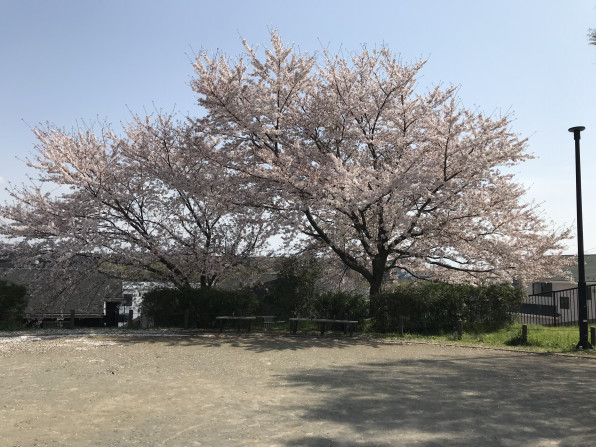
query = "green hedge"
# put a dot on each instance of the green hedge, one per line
(167, 306)
(13, 303)
(294, 290)
(340, 306)
(432, 307)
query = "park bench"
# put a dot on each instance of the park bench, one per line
(266, 321)
(236, 321)
(348, 325)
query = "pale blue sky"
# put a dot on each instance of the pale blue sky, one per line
(68, 61)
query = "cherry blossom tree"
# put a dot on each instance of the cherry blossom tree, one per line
(151, 201)
(382, 175)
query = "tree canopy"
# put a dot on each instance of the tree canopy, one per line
(381, 175)
(345, 151)
(151, 200)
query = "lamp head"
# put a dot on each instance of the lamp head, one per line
(576, 130)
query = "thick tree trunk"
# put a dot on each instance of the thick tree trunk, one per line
(207, 281)
(375, 286)
(378, 272)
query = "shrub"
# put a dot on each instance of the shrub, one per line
(295, 289)
(501, 303)
(214, 302)
(167, 306)
(13, 303)
(340, 306)
(434, 306)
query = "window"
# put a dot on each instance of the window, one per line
(564, 302)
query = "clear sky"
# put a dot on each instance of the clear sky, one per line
(69, 61)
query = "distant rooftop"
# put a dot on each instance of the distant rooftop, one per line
(590, 269)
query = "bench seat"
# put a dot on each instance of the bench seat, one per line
(348, 325)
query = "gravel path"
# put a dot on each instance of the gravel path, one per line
(260, 390)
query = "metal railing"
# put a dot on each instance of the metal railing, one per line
(557, 308)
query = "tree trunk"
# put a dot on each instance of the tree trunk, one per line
(207, 281)
(375, 286)
(378, 272)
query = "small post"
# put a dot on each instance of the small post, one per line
(401, 326)
(72, 319)
(460, 329)
(130, 315)
(186, 318)
(524, 334)
(593, 335)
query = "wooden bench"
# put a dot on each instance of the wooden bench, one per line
(236, 321)
(266, 321)
(348, 325)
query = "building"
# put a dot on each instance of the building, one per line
(555, 302)
(561, 283)
(95, 297)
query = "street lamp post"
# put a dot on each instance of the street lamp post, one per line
(582, 303)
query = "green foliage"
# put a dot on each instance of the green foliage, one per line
(167, 306)
(13, 303)
(540, 338)
(435, 307)
(295, 293)
(214, 302)
(340, 306)
(164, 305)
(561, 339)
(494, 304)
(295, 288)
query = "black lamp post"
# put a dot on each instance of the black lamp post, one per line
(582, 303)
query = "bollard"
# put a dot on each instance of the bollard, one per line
(593, 335)
(72, 319)
(460, 329)
(525, 334)
(401, 326)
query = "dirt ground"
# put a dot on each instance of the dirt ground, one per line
(262, 390)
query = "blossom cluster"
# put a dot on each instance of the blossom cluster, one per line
(342, 150)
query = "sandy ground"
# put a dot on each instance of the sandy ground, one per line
(260, 390)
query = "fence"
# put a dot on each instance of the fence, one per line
(558, 308)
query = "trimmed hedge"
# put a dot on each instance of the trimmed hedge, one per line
(294, 290)
(340, 306)
(167, 306)
(425, 307)
(433, 307)
(13, 303)
(296, 293)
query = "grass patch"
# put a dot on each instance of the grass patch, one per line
(540, 338)
(550, 339)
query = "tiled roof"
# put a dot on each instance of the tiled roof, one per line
(85, 295)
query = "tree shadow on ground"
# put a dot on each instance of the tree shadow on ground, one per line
(257, 342)
(320, 441)
(500, 400)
